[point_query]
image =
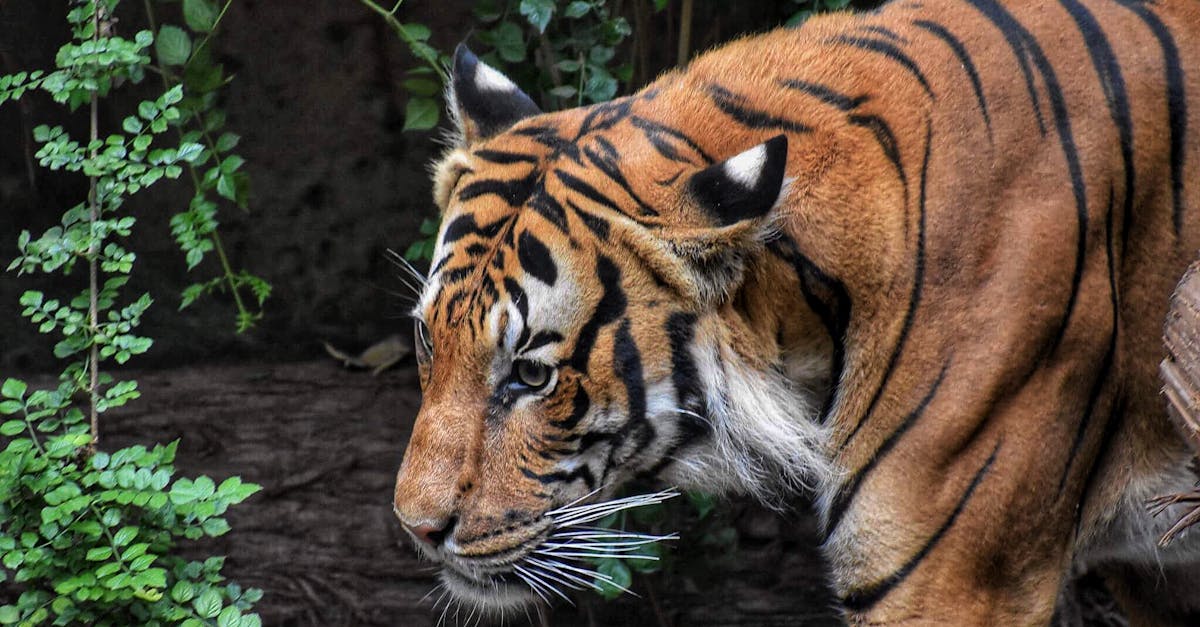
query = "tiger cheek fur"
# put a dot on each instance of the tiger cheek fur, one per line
(913, 261)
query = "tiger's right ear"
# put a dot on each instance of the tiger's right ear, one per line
(734, 203)
(484, 102)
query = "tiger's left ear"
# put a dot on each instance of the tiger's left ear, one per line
(484, 102)
(736, 199)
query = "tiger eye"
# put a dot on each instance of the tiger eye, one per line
(532, 374)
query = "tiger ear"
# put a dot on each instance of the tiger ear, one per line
(484, 102)
(736, 198)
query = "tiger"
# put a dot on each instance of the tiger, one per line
(913, 263)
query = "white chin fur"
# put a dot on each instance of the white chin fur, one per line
(766, 437)
(488, 600)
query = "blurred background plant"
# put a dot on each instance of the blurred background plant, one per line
(88, 536)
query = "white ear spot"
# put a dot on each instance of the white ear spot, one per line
(488, 78)
(747, 167)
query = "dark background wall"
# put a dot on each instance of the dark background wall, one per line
(335, 182)
(316, 95)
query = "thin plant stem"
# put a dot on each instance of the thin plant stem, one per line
(93, 261)
(215, 238)
(685, 32)
(418, 48)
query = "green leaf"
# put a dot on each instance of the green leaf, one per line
(200, 15)
(125, 536)
(183, 591)
(208, 604)
(509, 42)
(15, 388)
(215, 527)
(420, 32)
(421, 86)
(618, 577)
(99, 554)
(421, 114)
(226, 187)
(229, 617)
(9, 615)
(577, 9)
(227, 142)
(173, 45)
(538, 12)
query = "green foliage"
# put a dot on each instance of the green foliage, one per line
(694, 516)
(812, 7)
(86, 536)
(571, 43)
(185, 60)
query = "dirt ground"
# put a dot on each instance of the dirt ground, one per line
(321, 540)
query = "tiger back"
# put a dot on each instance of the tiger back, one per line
(914, 261)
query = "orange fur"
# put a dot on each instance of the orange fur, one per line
(1004, 316)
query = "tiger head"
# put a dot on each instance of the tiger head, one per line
(583, 324)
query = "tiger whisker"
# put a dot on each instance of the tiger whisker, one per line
(592, 573)
(575, 582)
(430, 593)
(521, 574)
(538, 576)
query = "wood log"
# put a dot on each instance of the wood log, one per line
(1180, 372)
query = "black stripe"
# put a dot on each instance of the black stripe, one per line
(586, 190)
(964, 58)
(1176, 102)
(548, 136)
(540, 339)
(610, 308)
(579, 408)
(655, 129)
(504, 157)
(825, 94)
(914, 299)
(1024, 44)
(829, 299)
(887, 141)
(516, 294)
(1106, 363)
(1108, 71)
(442, 263)
(890, 51)
(845, 496)
(536, 259)
(459, 228)
(736, 107)
(604, 116)
(627, 364)
(594, 223)
(886, 33)
(863, 599)
(681, 332)
(455, 275)
(561, 476)
(610, 168)
(514, 192)
(549, 208)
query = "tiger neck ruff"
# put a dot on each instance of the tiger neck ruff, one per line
(914, 261)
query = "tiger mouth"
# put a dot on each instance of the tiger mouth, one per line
(558, 558)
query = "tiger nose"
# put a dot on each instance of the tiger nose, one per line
(432, 535)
